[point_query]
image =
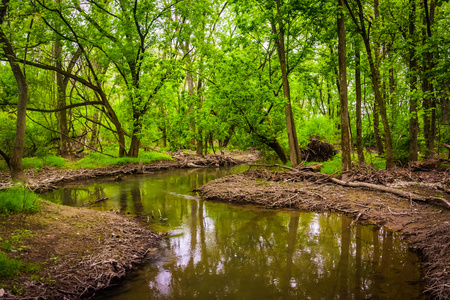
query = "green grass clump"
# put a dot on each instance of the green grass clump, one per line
(332, 166)
(9, 267)
(97, 160)
(18, 199)
(38, 162)
(32, 162)
(55, 161)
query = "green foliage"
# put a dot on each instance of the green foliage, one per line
(9, 267)
(18, 199)
(98, 160)
(321, 126)
(332, 166)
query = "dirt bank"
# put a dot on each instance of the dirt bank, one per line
(72, 253)
(50, 178)
(426, 226)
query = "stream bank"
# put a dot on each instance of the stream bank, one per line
(75, 252)
(425, 226)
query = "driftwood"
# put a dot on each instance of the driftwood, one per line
(391, 190)
(319, 177)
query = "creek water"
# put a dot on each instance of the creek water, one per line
(223, 251)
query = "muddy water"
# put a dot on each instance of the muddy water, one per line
(222, 251)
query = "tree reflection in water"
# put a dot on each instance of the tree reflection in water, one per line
(219, 251)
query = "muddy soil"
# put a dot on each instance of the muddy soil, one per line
(72, 253)
(425, 225)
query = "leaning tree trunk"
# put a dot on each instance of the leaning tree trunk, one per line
(342, 53)
(375, 76)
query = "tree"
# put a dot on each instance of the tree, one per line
(15, 159)
(360, 23)
(278, 29)
(345, 131)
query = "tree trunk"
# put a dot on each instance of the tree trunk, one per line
(359, 141)
(199, 143)
(94, 135)
(342, 53)
(134, 145)
(429, 100)
(294, 148)
(376, 129)
(64, 146)
(375, 76)
(275, 145)
(413, 120)
(15, 162)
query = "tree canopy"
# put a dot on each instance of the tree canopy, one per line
(122, 75)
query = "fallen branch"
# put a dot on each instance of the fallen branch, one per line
(392, 191)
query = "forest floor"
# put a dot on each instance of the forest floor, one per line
(425, 224)
(72, 253)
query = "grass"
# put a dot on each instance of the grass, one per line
(334, 165)
(38, 162)
(18, 199)
(9, 267)
(92, 161)
(98, 160)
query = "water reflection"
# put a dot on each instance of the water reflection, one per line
(220, 251)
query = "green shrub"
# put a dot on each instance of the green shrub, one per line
(18, 199)
(9, 267)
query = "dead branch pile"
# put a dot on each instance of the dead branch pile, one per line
(295, 175)
(185, 160)
(299, 175)
(262, 193)
(435, 248)
(108, 261)
(414, 173)
(318, 150)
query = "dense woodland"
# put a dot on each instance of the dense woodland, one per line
(122, 76)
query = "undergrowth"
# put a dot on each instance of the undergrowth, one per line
(97, 160)
(334, 165)
(18, 199)
(9, 267)
(38, 162)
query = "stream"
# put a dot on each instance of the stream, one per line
(223, 251)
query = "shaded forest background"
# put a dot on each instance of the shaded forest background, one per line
(123, 76)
